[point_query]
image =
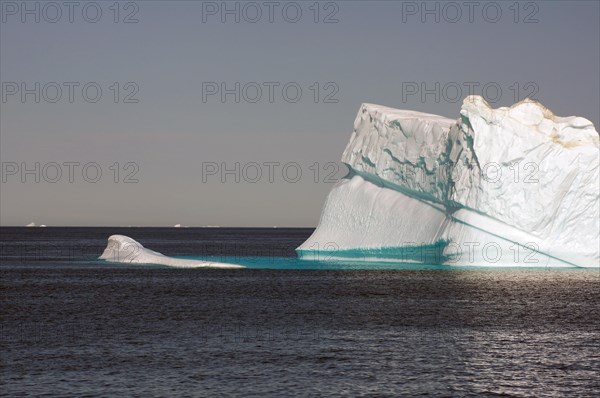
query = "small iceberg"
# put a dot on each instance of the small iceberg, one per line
(32, 224)
(123, 249)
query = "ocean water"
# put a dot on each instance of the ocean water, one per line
(75, 326)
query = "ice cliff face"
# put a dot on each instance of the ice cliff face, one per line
(508, 186)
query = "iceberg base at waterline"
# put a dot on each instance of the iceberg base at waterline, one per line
(123, 249)
(431, 236)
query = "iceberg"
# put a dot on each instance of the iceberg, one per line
(123, 249)
(513, 186)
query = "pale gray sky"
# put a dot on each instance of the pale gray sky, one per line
(178, 52)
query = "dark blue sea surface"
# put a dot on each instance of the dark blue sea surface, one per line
(75, 326)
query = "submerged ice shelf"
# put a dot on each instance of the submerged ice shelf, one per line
(123, 249)
(514, 186)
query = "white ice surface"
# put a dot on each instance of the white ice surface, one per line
(123, 249)
(513, 186)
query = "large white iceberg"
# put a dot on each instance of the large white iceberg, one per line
(513, 186)
(123, 249)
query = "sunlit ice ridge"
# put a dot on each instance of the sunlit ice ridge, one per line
(513, 186)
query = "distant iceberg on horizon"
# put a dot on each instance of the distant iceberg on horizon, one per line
(33, 224)
(513, 186)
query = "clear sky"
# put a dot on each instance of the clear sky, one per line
(169, 147)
